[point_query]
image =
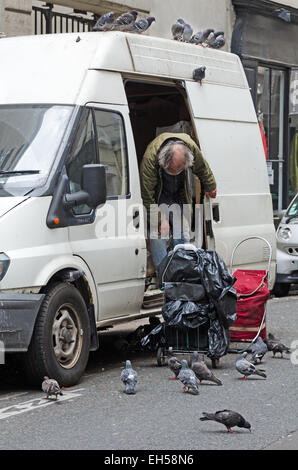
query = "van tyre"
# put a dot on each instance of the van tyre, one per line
(60, 342)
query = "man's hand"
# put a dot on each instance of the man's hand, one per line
(164, 227)
(211, 194)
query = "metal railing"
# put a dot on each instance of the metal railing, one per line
(47, 21)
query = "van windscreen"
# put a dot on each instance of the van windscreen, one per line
(30, 136)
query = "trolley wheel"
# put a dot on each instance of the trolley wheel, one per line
(215, 363)
(161, 360)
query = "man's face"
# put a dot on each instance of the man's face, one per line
(177, 164)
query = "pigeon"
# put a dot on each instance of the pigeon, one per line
(177, 29)
(227, 417)
(258, 349)
(188, 378)
(78, 39)
(125, 22)
(187, 33)
(201, 36)
(142, 24)
(210, 39)
(105, 22)
(174, 364)
(218, 43)
(201, 370)
(51, 387)
(247, 368)
(199, 74)
(275, 345)
(129, 377)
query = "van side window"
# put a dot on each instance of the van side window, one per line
(83, 152)
(112, 151)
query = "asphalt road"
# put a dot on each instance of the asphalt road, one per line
(96, 414)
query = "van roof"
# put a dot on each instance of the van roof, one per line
(53, 61)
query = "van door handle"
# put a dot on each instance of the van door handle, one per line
(215, 212)
(136, 218)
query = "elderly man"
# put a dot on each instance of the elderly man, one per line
(165, 188)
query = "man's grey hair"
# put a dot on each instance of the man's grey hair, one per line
(166, 154)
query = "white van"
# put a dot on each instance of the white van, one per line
(76, 115)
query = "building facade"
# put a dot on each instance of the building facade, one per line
(262, 32)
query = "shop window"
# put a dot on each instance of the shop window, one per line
(293, 154)
(270, 113)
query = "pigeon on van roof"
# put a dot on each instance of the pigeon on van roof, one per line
(218, 43)
(177, 29)
(125, 21)
(201, 36)
(199, 74)
(187, 33)
(105, 22)
(142, 24)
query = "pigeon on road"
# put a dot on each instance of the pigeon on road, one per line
(229, 418)
(51, 387)
(125, 22)
(275, 345)
(247, 368)
(199, 74)
(258, 349)
(188, 378)
(174, 364)
(129, 377)
(142, 24)
(177, 29)
(105, 22)
(201, 370)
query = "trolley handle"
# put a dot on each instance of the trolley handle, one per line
(252, 238)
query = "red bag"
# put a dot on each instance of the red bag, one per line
(252, 294)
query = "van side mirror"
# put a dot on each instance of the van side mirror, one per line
(93, 192)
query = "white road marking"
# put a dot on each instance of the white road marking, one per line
(35, 403)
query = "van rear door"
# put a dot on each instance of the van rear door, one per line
(229, 137)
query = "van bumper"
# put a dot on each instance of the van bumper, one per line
(18, 313)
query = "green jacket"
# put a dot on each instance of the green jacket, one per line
(151, 175)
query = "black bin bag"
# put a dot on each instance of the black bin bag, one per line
(198, 291)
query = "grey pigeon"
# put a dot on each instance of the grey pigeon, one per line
(247, 368)
(201, 36)
(142, 24)
(218, 43)
(199, 74)
(275, 345)
(188, 378)
(174, 364)
(258, 349)
(177, 29)
(187, 33)
(105, 22)
(210, 39)
(201, 370)
(51, 387)
(228, 418)
(129, 377)
(125, 22)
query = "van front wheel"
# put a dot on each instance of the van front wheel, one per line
(61, 338)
